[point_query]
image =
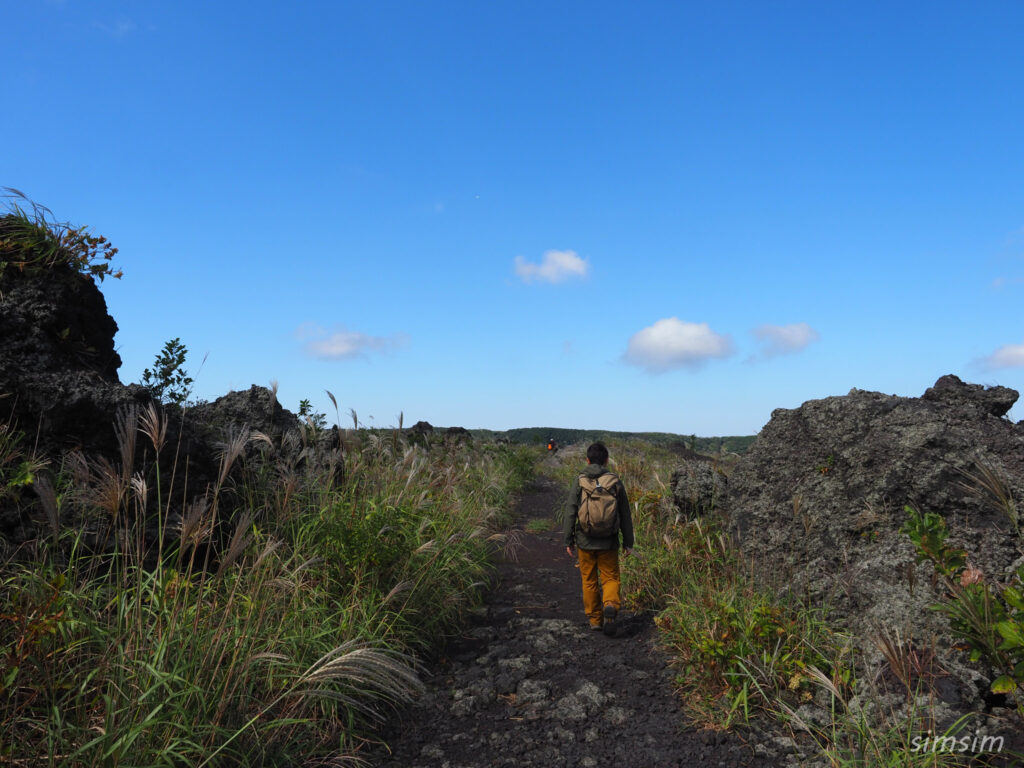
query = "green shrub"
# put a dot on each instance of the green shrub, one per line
(168, 380)
(718, 623)
(31, 240)
(988, 617)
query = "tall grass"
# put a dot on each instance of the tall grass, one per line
(276, 637)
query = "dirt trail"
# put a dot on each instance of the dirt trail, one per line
(527, 684)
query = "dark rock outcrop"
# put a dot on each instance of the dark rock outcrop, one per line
(58, 366)
(994, 401)
(420, 429)
(59, 387)
(697, 488)
(819, 498)
(457, 435)
(256, 407)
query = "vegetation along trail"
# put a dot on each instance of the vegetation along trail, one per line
(527, 684)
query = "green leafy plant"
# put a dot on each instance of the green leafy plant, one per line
(929, 532)
(31, 239)
(989, 618)
(718, 621)
(168, 380)
(314, 419)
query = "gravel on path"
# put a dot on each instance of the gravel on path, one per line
(528, 683)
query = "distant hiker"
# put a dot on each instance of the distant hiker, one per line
(599, 513)
(552, 445)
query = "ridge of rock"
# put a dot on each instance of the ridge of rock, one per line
(818, 502)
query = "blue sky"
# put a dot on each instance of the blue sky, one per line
(642, 216)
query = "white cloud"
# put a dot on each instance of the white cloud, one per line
(118, 28)
(555, 267)
(671, 343)
(1007, 356)
(784, 339)
(342, 344)
(1002, 282)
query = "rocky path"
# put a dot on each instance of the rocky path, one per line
(527, 684)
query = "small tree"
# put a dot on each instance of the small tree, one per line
(316, 420)
(168, 380)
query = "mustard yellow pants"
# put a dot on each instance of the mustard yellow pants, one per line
(603, 562)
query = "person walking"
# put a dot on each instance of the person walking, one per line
(598, 516)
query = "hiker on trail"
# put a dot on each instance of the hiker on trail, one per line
(598, 515)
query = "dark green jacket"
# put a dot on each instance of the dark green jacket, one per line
(574, 537)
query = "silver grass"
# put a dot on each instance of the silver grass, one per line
(360, 676)
(401, 588)
(283, 584)
(335, 761)
(153, 426)
(196, 525)
(140, 489)
(255, 436)
(303, 566)
(240, 541)
(426, 547)
(48, 499)
(988, 482)
(125, 422)
(235, 441)
(270, 548)
(101, 484)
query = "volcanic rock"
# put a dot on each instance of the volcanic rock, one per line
(59, 387)
(58, 366)
(698, 487)
(818, 502)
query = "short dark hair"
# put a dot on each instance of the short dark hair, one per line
(597, 453)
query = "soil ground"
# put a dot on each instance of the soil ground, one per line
(528, 683)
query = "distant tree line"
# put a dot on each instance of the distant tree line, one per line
(540, 435)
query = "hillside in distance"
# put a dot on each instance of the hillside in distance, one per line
(539, 435)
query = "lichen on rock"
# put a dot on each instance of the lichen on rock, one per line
(818, 502)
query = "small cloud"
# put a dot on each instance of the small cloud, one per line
(556, 267)
(1007, 356)
(117, 29)
(671, 343)
(783, 339)
(1002, 282)
(341, 344)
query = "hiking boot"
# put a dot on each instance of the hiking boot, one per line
(595, 627)
(610, 612)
